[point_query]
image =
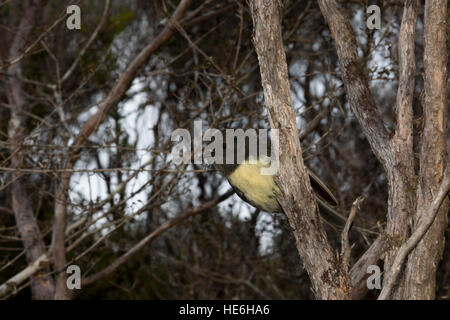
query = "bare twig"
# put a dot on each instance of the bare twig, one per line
(90, 126)
(345, 245)
(19, 57)
(95, 170)
(241, 27)
(88, 43)
(46, 258)
(26, 273)
(166, 226)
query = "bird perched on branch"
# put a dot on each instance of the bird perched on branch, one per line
(260, 190)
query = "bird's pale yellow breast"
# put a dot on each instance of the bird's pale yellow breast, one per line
(258, 189)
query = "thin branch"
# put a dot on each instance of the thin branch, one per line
(241, 27)
(88, 43)
(345, 245)
(26, 273)
(314, 123)
(31, 46)
(113, 98)
(46, 258)
(166, 226)
(96, 170)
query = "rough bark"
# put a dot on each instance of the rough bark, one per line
(401, 170)
(395, 151)
(358, 272)
(423, 262)
(329, 280)
(354, 76)
(426, 220)
(42, 287)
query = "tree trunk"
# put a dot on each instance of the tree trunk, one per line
(329, 280)
(423, 261)
(395, 151)
(42, 287)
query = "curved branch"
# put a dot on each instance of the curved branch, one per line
(354, 76)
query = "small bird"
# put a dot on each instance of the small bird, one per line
(259, 190)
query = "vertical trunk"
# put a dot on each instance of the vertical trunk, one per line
(400, 172)
(423, 261)
(42, 287)
(395, 152)
(329, 279)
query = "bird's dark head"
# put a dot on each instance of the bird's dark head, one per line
(237, 150)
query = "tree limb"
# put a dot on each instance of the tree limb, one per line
(358, 273)
(425, 223)
(27, 226)
(166, 226)
(88, 43)
(423, 261)
(328, 279)
(354, 76)
(345, 245)
(396, 154)
(401, 171)
(26, 273)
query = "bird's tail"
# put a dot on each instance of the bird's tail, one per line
(326, 200)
